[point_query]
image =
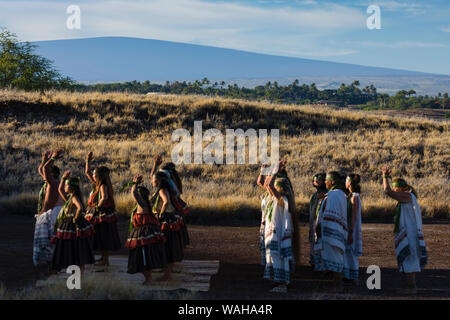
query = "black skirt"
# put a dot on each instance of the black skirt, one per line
(148, 257)
(106, 237)
(73, 244)
(172, 226)
(185, 232)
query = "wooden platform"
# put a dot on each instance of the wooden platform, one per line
(192, 275)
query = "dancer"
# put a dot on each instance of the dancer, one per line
(331, 230)
(145, 240)
(266, 207)
(410, 247)
(177, 189)
(101, 212)
(73, 239)
(49, 205)
(353, 248)
(171, 221)
(278, 233)
(282, 173)
(314, 206)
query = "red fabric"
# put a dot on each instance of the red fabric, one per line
(134, 243)
(63, 235)
(96, 216)
(110, 218)
(92, 219)
(173, 226)
(141, 219)
(180, 205)
(93, 200)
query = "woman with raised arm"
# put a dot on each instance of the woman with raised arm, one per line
(101, 211)
(278, 232)
(282, 173)
(171, 221)
(410, 247)
(332, 230)
(353, 248)
(145, 240)
(266, 206)
(49, 205)
(176, 189)
(73, 236)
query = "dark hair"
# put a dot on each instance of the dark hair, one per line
(103, 175)
(145, 194)
(170, 166)
(355, 180)
(319, 176)
(55, 171)
(407, 186)
(162, 178)
(338, 179)
(104, 178)
(74, 185)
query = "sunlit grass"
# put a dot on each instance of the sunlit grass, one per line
(125, 131)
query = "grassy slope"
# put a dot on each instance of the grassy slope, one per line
(125, 131)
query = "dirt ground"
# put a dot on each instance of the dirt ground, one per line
(240, 275)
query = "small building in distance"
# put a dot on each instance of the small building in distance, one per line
(331, 103)
(156, 93)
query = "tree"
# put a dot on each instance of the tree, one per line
(21, 68)
(445, 101)
(411, 92)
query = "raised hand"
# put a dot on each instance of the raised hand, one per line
(386, 170)
(57, 153)
(46, 155)
(90, 157)
(157, 159)
(137, 178)
(282, 164)
(66, 175)
(276, 168)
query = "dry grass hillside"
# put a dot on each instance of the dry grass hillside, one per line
(125, 131)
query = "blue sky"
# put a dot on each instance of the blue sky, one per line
(414, 34)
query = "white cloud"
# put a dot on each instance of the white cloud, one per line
(282, 30)
(308, 2)
(34, 19)
(396, 6)
(405, 44)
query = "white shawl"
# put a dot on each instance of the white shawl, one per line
(333, 220)
(279, 230)
(410, 217)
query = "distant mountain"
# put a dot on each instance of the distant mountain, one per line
(111, 59)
